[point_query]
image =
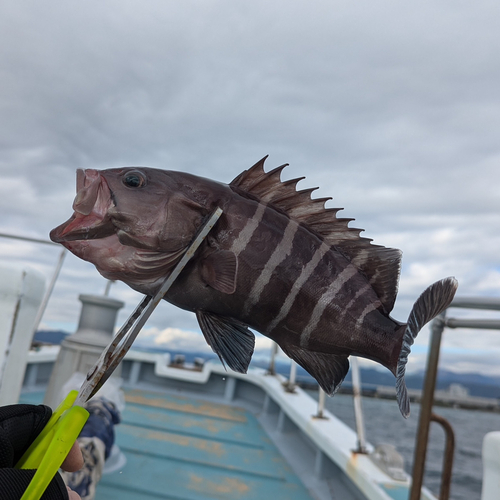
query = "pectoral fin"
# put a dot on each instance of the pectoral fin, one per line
(219, 271)
(231, 340)
(328, 369)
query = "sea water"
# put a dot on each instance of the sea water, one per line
(384, 424)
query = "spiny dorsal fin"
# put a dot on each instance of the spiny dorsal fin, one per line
(381, 265)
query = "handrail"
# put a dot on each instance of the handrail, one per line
(48, 292)
(444, 492)
(437, 327)
(321, 404)
(358, 410)
(426, 415)
(491, 303)
(27, 238)
(290, 384)
(482, 324)
(272, 361)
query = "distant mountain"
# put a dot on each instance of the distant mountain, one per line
(477, 384)
(189, 355)
(54, 337)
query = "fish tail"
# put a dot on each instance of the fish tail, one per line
(434, 300)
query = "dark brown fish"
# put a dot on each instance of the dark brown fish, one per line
(277, 261)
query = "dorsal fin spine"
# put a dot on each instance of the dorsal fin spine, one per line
(381, 265)
(293, 181)
(276, 173)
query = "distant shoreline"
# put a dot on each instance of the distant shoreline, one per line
(378, 388)
(441, 398)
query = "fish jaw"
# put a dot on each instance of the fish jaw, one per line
(92, 203)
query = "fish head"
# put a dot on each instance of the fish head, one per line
(145, 207)
(126, 215)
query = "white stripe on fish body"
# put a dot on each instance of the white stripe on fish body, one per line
(351, 303)
(361, 258)
(305, 274)
(365, 290)
(367, 310)
(280, 253)
(245, 235)
(326, 298)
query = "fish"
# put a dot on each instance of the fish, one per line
(277, 262)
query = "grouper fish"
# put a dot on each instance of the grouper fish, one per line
(277, 261)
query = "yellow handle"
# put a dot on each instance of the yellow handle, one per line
(34, 454)
(48, 451)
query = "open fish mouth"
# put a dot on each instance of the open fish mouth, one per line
(90, 219)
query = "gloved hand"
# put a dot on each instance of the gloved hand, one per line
(19, 426)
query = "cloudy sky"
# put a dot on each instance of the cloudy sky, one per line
(391, 108)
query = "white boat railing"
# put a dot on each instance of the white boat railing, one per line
(356, 387)
(321, 404)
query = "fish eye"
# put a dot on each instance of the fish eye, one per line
(134, 180)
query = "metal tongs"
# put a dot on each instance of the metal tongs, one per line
(50, 448)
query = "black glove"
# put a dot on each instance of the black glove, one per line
(19, 426)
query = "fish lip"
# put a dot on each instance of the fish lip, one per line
(77, 229)
(90, 219)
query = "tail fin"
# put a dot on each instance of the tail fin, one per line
(432, 302)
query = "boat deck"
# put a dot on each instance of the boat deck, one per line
(181, 448)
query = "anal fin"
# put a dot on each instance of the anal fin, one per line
(231, 340)
(328, 369)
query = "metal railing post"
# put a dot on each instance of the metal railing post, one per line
(289, 385)
(358, 410)
(272, 362)
(48, 293)
(321, 404)
(108, 287)
(293, 374)
(437, 327)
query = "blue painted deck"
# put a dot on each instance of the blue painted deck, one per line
(180, 448)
